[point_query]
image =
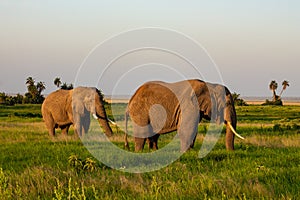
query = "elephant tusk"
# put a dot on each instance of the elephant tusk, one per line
(232, 129)
(114, 123)
(95, 116)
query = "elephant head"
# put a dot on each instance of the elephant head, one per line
(85, 101)
(217, 104)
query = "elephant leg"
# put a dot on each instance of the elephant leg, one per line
(78, 129)
(51, 131)
(193, 142)
(141, 134)
(188, 126)
(78, 126)
(75, 130)
(139, 144)
(51, 127)
(187, 133)
(152, 142)
(50, 124)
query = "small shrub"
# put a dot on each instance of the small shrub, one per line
(75, 163)
(80, 165)
(277, 127)
(278, 102)
(89, 165)
(238, 101)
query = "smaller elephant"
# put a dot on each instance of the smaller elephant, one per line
(63, 108)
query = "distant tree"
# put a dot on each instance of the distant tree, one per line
(276, 99)
(285, 84)
(29, 81)
(19, 99)
(34, 94)
(40, 87)
(70, 86)
(28, 98)
(273, 86)
(2, 98)
(10, 100)
(57, 82)
(65, 86)
(238, 101)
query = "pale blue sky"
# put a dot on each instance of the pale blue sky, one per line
(252, 42)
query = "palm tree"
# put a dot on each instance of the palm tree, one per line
(273, 86)
(31, 87)
(29, 81)
(40, 87)
(285, 84)
(57, 82)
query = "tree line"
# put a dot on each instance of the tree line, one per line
(34, 92)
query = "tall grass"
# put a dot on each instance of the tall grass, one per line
(266, 165)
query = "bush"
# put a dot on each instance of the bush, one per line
(238, 101)
(278, 102)
(80, 165)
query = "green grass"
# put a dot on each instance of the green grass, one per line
(265, 166)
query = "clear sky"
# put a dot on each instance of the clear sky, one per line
(252, 42)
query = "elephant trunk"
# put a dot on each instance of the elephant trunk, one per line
(106, 127)
(102, 119)
(230, 121)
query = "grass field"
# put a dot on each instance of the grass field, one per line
(266, 165)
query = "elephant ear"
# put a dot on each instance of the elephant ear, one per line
(206, 101)
(217, 102)
(77, 103)
(220, 96)
(214, 106)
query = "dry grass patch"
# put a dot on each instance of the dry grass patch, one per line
(274, 141)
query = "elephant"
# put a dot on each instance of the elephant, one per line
(158, 108)
(63, 108)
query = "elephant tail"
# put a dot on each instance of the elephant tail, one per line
(126, 125)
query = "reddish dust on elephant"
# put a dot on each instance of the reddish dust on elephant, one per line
(64, 108)
(158, 108)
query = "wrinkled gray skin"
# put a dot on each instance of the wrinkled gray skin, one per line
(182, 106)
(63, 108)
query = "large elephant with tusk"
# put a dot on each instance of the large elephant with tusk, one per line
(159, 107)
(63, 108)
